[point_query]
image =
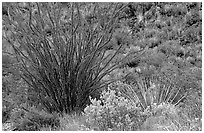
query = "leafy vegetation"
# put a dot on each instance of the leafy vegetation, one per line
(102, 66)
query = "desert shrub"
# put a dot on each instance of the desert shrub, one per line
(167, 117)
(187, 78)
(62, 50)
(121, 36)
(113, 113)
(192, 105)
(14, 94)
(160, 117)
(16, 117)
(150, 90)
(73, 122)
(33, 119)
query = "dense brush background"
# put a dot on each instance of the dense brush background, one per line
(102, 66)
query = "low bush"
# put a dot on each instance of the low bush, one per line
(113, 112)
(33, 120)
(167, 117)
(73, 122)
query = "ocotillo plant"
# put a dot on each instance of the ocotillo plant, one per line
(61, 49)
